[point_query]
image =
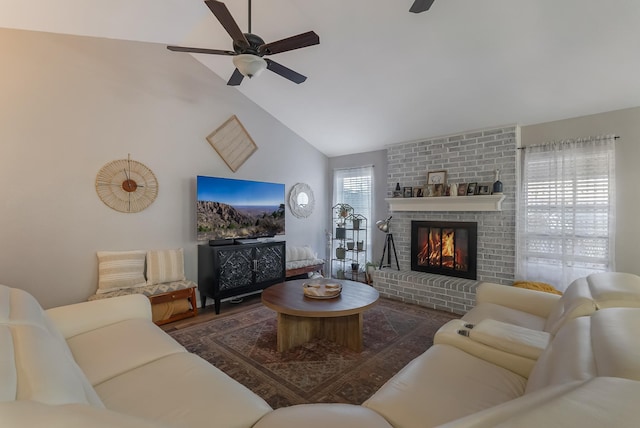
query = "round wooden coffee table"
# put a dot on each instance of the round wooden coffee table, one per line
(302, 318)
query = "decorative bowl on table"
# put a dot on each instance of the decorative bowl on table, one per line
(321, 290)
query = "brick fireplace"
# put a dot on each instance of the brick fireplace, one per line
(467, 157)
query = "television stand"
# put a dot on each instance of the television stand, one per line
(231, 270)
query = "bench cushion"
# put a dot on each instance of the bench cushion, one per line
(149, 290)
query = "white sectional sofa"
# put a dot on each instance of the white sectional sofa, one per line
(104, 363)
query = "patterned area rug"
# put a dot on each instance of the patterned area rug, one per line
(243, 345)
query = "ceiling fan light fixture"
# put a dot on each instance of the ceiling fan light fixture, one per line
(249, 65)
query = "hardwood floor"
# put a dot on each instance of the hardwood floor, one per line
(208, 313)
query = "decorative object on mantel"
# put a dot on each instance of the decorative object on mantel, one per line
(397, 193)
(383, 225)
(483, 189)
(126, 185)
(301, 200)
(471, 189)
(453, 189)
(497, 186)
(407, 192)
(461, 203)
(233, 143)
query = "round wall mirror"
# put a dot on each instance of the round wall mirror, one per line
(301, 200)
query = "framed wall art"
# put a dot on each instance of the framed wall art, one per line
(233, 143)
(437, 177)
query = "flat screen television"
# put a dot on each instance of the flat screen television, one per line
(238, 209)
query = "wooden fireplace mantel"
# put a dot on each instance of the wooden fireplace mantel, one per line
(447, 203)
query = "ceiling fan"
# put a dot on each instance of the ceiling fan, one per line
(421, 6)
(249, 49)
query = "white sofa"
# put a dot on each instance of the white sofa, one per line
(104, 363)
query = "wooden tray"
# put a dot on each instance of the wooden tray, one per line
(321, 290)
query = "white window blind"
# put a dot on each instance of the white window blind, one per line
(354, 186)
(566, 212)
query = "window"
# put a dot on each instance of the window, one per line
(566, 211)
(354, 186)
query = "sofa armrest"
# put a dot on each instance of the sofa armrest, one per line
(78, 318)
(531, 301)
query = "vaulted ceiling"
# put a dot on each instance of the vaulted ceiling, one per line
(382, 75)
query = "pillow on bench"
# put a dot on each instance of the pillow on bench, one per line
(298, 258)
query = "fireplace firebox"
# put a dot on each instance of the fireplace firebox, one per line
(444, 248)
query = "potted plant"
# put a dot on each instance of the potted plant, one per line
(356, 223)
(342, 212)
(369, 267)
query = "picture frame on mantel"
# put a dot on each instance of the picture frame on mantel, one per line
(437, 177)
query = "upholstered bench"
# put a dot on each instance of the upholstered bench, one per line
(170, 301)
(172, 296)
(301, 260)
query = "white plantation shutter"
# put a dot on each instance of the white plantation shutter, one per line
(354, 186)
(566, 212)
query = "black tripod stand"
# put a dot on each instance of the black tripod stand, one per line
(387, 248)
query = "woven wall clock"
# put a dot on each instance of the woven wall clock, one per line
(126, 185)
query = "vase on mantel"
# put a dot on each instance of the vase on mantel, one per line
(453, 189)
(497, 185)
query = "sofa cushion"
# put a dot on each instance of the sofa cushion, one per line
(577, 301)
(183, 390)
(504, 314)
(116, 348)
(19, 307)
(604, 344)
(45, 371)
(165, 266)
(599, 402)
(615, 290)
(35, 361)
(120, 269)
(21, 414)
(323, 415)
(441, 385)
(597, 291)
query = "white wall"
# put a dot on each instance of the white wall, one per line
(71, 104)
(626, 124)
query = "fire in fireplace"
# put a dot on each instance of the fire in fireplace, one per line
(444, 248)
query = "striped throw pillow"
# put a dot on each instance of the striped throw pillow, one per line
(165, 266)
(120, 269)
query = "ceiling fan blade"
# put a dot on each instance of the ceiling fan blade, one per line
(224, 16)
(285, 72)
(421, 6)
(200, 50)
(290, 43)
(236, 78)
